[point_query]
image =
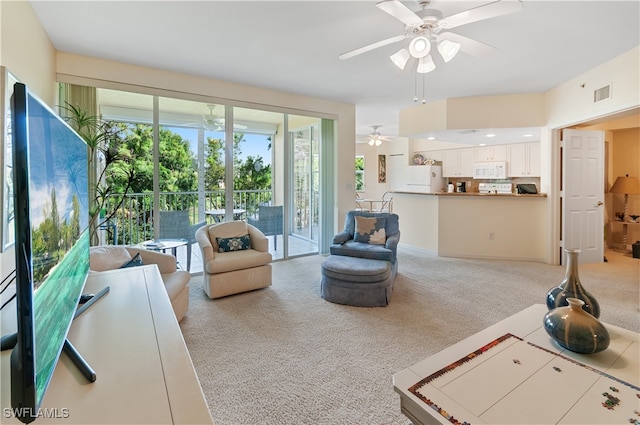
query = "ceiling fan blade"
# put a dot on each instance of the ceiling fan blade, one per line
(372, 46)
(468, 45)
(487, 11)
(400, 12)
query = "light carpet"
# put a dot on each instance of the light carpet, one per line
(283, 355)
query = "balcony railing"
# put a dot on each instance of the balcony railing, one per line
(132, 222)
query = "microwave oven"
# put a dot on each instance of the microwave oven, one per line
(490, 170)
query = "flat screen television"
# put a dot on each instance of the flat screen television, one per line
(50, 177)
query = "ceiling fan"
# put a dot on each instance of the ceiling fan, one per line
(428, 27)
(375, 138)
(212, 123)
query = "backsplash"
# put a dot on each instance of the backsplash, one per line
(472, 184)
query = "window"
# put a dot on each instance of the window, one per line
(359, 173)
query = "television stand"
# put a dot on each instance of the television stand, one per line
(132, 338)
(7, 342)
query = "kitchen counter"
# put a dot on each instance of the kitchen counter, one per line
(505, 226)
(517, 195)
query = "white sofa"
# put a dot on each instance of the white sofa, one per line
(176, 282)
(227, 273)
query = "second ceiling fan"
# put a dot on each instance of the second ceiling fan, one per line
(427, 28)
(213, 123)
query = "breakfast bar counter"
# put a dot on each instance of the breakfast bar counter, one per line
(518, 195)
(475, 225)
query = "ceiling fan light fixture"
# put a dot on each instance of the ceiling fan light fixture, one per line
(448, 49)
(211, 126)
(419, 47)
(426, 65)
(400, 58)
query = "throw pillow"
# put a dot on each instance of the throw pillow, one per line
(370, 230)
(233, 244)
(134, 262)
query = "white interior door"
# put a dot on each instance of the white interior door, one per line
(583, 188)
(396, 172)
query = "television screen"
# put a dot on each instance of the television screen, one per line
(52, 243)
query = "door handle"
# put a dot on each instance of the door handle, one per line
(599, 204)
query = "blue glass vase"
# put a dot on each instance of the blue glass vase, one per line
(570, 287)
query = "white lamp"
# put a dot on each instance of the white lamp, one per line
(400, 58)
(419, 47)
(448, 49)
(426, 65)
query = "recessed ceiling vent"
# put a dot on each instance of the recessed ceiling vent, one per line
(602, 93)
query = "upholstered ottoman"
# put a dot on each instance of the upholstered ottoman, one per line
(360, 282)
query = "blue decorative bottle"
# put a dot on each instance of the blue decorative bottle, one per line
(570, 287)
(575, 329)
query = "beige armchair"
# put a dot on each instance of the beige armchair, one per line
(237, 270)
(176, 282)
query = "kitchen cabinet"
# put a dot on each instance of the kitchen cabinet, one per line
(458, 162)
(524, 160)
(491, 153)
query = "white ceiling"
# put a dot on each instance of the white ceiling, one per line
(293, 46)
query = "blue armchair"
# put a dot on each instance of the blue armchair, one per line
(348, 244)
(363, 263)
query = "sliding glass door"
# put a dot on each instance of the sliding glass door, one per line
(304, 140)
(218, 162)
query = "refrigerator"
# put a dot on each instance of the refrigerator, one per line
(425, 179)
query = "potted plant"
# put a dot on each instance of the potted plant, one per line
(104, 140)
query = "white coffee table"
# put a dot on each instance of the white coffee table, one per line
(492, 377)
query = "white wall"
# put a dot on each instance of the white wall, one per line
(572, 102)
(26, 52)
(26, 49)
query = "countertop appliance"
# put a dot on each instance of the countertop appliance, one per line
(495, 188)
(425, 179)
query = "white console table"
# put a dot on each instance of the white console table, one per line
(132, 340)
(513, 373)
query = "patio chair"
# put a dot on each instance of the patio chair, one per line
(387, 203)
(269, 221)
(359, 206)
(176, 225)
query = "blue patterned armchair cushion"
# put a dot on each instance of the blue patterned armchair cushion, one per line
(370, 230)
(234, 244)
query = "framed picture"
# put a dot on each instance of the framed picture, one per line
(382, 168)
(7, 237)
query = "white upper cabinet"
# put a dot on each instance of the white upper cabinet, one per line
(491, 153)
(524, 160)
(435, 155)
(458, 162)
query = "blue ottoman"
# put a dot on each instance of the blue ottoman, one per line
(360, 282)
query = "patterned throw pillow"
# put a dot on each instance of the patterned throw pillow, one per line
(370, 230)
(233, 244)
(134, 262)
